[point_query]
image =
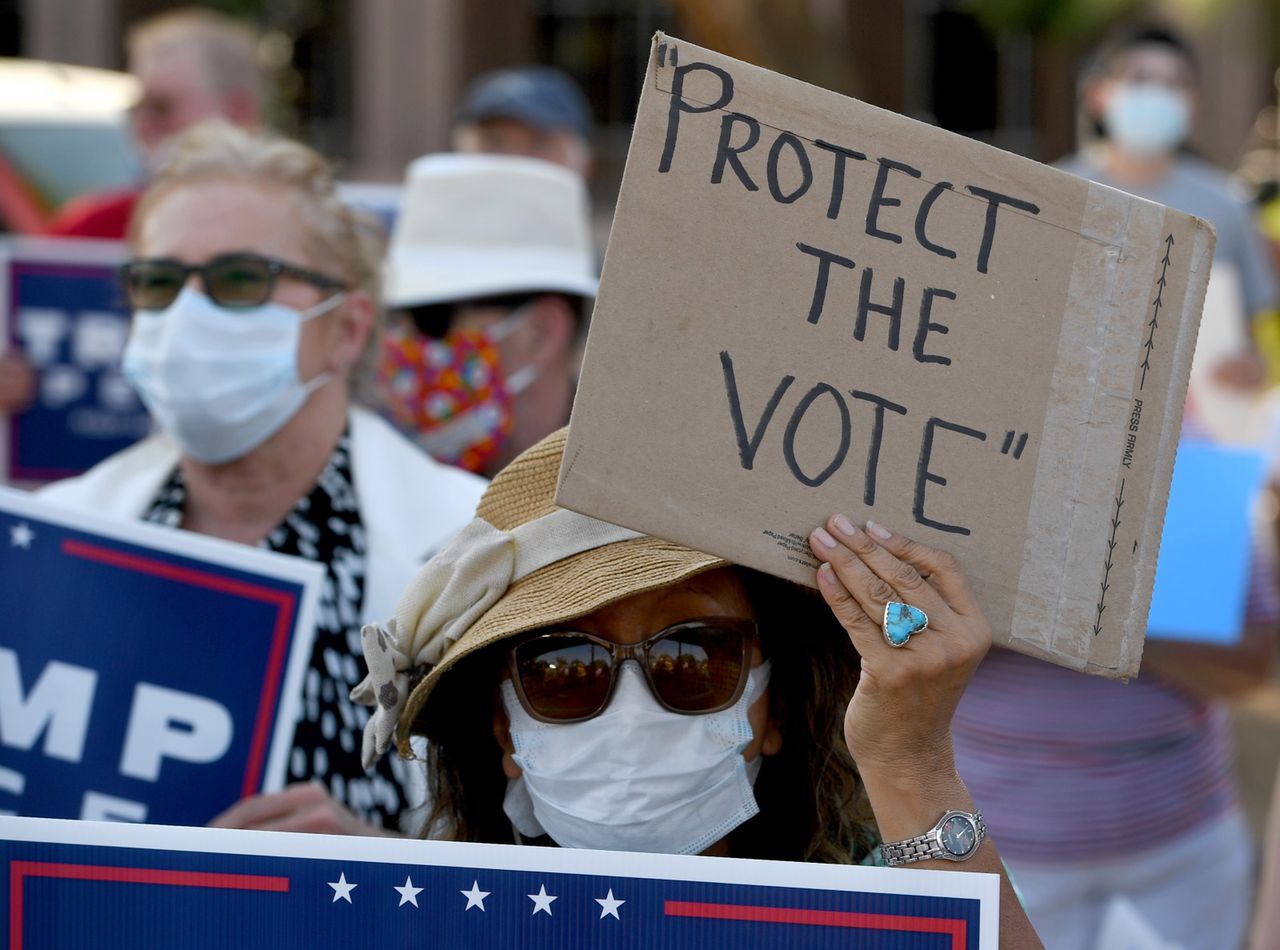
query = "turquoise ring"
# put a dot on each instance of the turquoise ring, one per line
(901, 621)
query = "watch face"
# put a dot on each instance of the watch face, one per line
(959, 836)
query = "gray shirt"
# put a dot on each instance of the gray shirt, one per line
(1196, 187)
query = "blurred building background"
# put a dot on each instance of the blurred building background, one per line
(373, 82)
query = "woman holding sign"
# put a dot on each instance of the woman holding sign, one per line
(743, 727)
(254, 290)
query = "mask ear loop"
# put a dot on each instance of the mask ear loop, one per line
(324, 306)
(504, 327)
(325, 377)
(521, 379)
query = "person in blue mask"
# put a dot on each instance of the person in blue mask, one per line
(1110, 799)
(1140, 98)
(254, 291)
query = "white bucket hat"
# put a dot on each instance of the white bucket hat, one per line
(474, 226)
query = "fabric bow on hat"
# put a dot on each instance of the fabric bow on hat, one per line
(385, 687)
(449, 594)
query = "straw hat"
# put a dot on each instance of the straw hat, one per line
(473, 226)
(517, 519)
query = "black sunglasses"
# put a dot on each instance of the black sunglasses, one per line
(236, 280)
(435, 320)
(693, 667)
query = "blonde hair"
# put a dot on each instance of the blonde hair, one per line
(338, 239)
(227, 47)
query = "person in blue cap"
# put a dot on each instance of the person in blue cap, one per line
(537, 111)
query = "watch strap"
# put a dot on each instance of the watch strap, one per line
(928, 846)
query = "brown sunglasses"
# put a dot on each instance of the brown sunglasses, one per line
(693, 667)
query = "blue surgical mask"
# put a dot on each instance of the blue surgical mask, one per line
(1147, 119)
(220, 382)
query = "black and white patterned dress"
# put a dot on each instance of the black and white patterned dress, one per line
(325, 526)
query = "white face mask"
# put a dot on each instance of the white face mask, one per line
(636, 777)
(1147, 119)
(220, 381)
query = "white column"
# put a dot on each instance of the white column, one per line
(408, 74)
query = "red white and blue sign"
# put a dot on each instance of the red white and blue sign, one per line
(80, 885)
(61, 306)
(146, 673)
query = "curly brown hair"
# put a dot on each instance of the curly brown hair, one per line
(812, 803)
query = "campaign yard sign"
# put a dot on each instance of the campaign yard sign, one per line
(810, 305)
(61, 306)
(77, 885)
(146, 674)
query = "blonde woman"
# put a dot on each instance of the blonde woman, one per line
(254, 294)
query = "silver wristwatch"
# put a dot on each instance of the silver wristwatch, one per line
(955, 837)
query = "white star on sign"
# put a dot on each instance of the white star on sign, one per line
(408, 893)
(21, 536)
(542, 900)
(475, 897)
(609, 906)
(341, 889)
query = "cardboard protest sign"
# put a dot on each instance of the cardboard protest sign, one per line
(810, 305)
(1211, 504)
(61, 306)
(146, 674)
(80, 885)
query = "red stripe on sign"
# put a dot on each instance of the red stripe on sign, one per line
(284, 603)
(19, 871)
(956, 929)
